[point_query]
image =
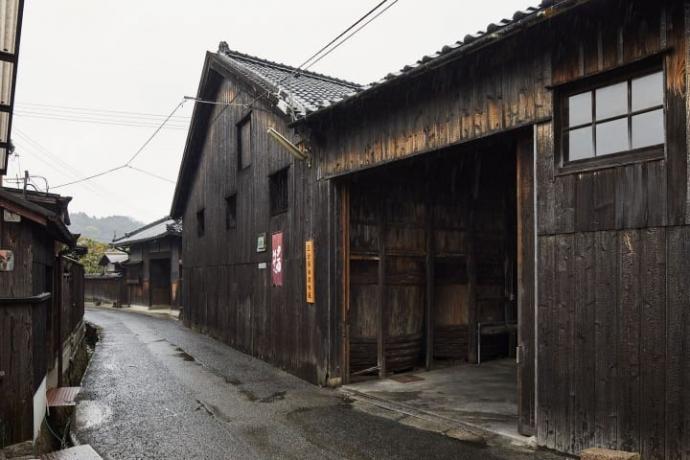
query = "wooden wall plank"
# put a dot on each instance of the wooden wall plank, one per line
(677, 401)
(653, 342)
(547, 351)
(564, 312)
(582, 381)
(629, 316)
(606, 339)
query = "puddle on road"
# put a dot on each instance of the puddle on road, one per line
(90, 414)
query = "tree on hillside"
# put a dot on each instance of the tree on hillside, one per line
(96, 250)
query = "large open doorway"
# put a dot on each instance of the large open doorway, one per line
(434, 275)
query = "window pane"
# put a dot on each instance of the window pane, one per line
(245, 144)
(612, 101)
(580, 144)
(648, 91)
(580, 109)
(612, 137)
(648, 129)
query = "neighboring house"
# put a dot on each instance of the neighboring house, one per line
(530, 180)
(110, 285)
(112, 262)
(152, 268)
(41, 307)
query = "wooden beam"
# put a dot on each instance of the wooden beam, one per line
(382, 323)
(345, 258)
(430, 281)
(526, 228)
(473, 311)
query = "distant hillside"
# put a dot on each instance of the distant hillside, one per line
(102, 228)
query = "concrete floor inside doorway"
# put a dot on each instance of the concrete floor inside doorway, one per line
(479, 399)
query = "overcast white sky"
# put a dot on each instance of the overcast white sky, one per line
(143, 56)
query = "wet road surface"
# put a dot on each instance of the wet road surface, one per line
(155, 389)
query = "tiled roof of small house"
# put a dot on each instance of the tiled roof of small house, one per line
(114, 257)
(162, 227)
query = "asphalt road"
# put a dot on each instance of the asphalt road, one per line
(155, 389)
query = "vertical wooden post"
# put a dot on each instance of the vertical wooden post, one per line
(429, 234)
(382, 323)
(473, 311)
(526, 301)
(345, 259)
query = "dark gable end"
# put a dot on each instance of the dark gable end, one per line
(290, 92)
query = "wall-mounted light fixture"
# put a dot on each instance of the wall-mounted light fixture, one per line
(290, 147)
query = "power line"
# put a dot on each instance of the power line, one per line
(37, 149)
(96, 121)
(65, 108)
(316, 58)
(313, 59)
(93, 176)
(141, 149)
(351, 35)
(149, 173)
(342, 33)
(133, 157)
(52, 160)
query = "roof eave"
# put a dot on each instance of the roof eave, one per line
(541, 15)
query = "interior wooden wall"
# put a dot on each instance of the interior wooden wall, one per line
(226, 291)
(448, 220)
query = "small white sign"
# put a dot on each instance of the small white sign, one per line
(9, 216)
(6, 260)
(263, 266)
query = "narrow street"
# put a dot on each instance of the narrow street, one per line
(155, 389)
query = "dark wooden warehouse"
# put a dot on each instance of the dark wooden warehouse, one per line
(152, 267)
(523, 192)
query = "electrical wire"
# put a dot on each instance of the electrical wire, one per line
(133, 157)
(102, 112)
(48, 158)
(149, 173)
(350, 35)
(95, 121)
(316, 57)
(313, 59)
(342, 33)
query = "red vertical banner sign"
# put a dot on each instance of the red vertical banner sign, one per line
(277, 259)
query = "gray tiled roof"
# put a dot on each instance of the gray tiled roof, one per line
(157, 229)
(115, 257)
(302, 92)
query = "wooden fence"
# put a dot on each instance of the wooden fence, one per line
(106, 288)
